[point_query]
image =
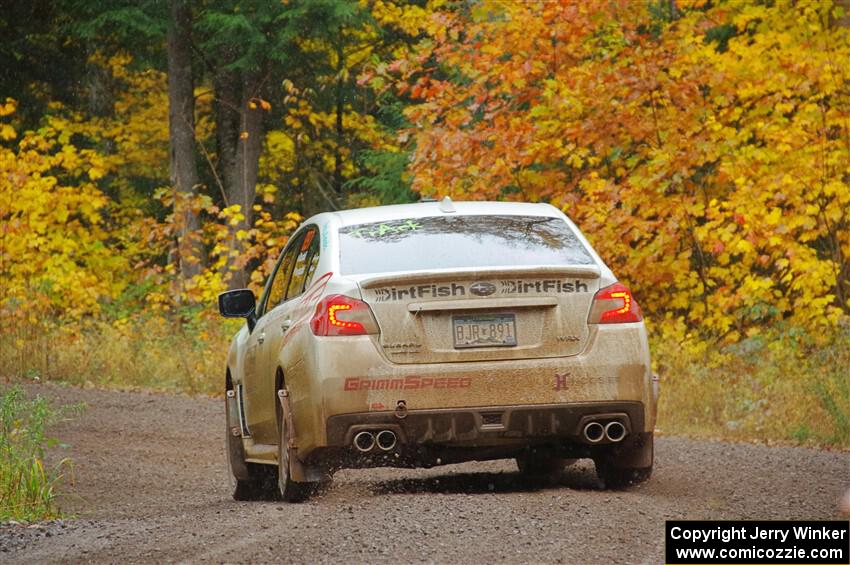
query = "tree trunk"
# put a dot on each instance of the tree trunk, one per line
(239, 132)
(340, 108)
(226, 108)
(250, 144)
(181, 131)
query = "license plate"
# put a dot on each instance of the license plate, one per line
(485, 330)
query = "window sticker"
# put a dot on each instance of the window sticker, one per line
(326, 238)
(379, 231)
(307, 239)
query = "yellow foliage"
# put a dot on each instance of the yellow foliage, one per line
(8, 107)
(54, 253)
(278, 159)
(402, 15)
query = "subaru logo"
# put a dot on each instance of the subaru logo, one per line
(482, 288)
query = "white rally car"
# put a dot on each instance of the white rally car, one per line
(434, 333)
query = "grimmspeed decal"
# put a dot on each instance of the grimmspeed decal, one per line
(405, 383)
(481, 288)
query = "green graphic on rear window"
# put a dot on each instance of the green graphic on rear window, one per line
(445, 242)
(378, 231)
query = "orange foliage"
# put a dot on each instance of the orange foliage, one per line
(705, 152)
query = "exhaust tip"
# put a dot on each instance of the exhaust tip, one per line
(615, 431)
(593, 432)
(386, 440)
(364, 442)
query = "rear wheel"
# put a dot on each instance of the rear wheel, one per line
(290, 490)
(628, 464)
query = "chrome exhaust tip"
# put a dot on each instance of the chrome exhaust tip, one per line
(364, 442)
(386, 440)
(594, 432)
(615, 431)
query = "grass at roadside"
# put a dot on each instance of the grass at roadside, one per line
(784, 384)
(184, 352)
(27, 483)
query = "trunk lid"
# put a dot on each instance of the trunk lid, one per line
(482, 314)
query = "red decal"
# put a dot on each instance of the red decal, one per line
(407, 383)
(350, 384)
(561, 381)
(308, 302)
(307, 239)
(315, 289)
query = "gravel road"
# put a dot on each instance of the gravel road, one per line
(151, 487)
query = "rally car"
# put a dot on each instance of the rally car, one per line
(434, 333)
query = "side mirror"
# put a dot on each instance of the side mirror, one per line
(237, 303)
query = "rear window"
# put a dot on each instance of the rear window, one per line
(445, 242)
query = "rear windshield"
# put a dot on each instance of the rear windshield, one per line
(445, 242)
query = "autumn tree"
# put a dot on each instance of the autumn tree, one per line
(702, 148)
(215, 117)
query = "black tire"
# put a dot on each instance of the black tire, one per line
(289, 490)
(247, 480)
(616, 478)
(627, 465)
(536, 464)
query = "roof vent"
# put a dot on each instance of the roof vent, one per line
(447, 206)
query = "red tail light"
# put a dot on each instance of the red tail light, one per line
(615, 304)
(342, 315)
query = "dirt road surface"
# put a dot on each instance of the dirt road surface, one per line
(151, 487)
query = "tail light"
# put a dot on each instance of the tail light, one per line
(342, 315)
(614, 304)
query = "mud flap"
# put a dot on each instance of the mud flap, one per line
(298, 471)
(235, 449)
(636, 452)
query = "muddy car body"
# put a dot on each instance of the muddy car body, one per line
(434, 333)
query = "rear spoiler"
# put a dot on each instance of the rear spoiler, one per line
(577, 271)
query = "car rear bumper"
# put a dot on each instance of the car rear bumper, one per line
(487, 425)
(448, 402)
(427, 438)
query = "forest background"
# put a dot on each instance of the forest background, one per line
(154, 153)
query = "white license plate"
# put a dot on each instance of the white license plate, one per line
(484, 330)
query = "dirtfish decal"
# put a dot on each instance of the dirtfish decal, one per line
(482, 289)
(420, 291)
(542, 286)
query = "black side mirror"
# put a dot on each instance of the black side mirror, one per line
(237, 303)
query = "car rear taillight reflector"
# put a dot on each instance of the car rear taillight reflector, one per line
(342, 315)
(615, 304)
